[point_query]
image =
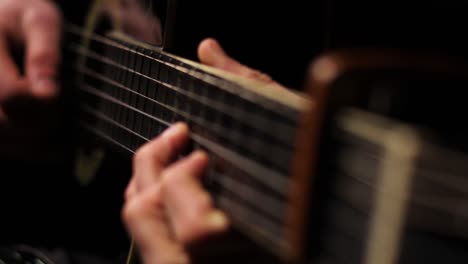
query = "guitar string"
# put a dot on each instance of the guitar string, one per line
(280, 147)
(282, 144)
(272, 208)
(256, 228)
(237, 113)
(217, 129)
(276, 181)
(199, 121)
(272, 205)
(230, 135)
(233, 88)
(268, 230)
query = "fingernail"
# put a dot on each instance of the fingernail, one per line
(198, 155)
(44, 87)
(174, 130)
(217, 220)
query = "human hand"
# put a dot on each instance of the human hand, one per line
(166, 209)
(33, 25)
(211, 53)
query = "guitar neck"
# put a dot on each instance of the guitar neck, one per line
(130, 92)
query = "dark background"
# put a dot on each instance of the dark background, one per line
(37, 191)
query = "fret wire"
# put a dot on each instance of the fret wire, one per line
(153, 90)
(106, 118)
(275, 107)
(86, 52)
(256, 224)
(287, 114)
(275, 181)
(123, 96)
(114, 110)
(203, 104)
(103, 135)
(176, 78)
(117, 75)
(108, 88)
(140, 100)
(134, 99)
(239, 115)
(113, 63)
(219, 115)
(190, 87)
(242, 217)
(131, 96)
(272, 207)
(121, 76)
(163, 93)
(122, 87)
(217, 129)
(96, 92)
(237, 126)
(146, 68)
(268, 204)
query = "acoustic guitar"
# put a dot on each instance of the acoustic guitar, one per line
(272, 151)
(131, 89)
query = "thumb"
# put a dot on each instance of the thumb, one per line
(42, 37)
(212, 54)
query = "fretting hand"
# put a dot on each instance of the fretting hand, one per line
(166, 209)
(35, 26)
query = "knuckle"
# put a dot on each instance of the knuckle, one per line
(169, 184)
(43, 13)
(153, 151)
(185, 233)
(204, 203)
(47, 58)
(171, 178)
(259, 76)
(192, 226)
(143, 154)
(129, 190)
(200, 208)
(131, 212)
(163, 149)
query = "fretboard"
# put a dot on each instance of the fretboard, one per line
(129, 93)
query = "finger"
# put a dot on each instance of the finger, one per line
(211, 53)
(153, 157)
(130, 190)
(41, 24)
(188, 206)
(10, 82)
(146, 223)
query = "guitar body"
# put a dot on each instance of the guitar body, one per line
(130, 70)
(96, 172)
